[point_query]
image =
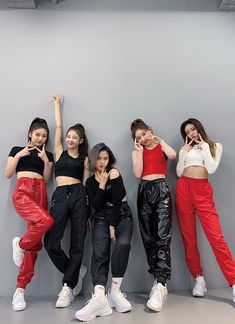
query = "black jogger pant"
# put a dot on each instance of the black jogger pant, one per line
(68, 202)
(101, 245)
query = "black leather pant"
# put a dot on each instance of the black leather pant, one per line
(155, 220)
(101, 244)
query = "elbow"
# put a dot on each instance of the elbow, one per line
(173, 155)
(8, 174)
(137, 174)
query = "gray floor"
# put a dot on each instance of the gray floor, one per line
(180, 307)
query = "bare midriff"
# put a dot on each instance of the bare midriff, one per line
(153, 176)
(29, 174)
(66, 181)
(196, 172)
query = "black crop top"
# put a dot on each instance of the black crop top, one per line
(32, 162)
(112, 196)
(69, 166)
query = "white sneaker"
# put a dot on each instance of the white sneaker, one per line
(119, 302)
(65, 297)
(18, 302)
(18, 253)
(156, 297)
(82, 273)
(96, 306)
(234, 293)
(199, 289)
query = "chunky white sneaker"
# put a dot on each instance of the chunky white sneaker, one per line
(82, 273)
(156, 297)
(18, 253)
(118, 300)
(199, 289)
(65, 297)
(18, 302)
(234, 293)
(96, 306)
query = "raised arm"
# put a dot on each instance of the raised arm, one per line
(58, 147)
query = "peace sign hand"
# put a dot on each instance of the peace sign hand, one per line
(42, 154)
(187, 146)
(58, 98)
(200, 141)
(138, 146)
(25, 151)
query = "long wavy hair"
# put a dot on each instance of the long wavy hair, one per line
(201, 130)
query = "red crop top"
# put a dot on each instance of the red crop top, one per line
(154, 161)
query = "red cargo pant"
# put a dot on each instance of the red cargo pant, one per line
(30, 201)
(196, 195)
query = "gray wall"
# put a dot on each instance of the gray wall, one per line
(114, 66)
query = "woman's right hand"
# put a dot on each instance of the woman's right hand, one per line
(58, 98)
(25, 151)
(138, 146)
(187, 146)
(103, 178)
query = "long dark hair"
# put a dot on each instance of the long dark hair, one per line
(93, 155)
(36, 124)
(201, 130)
(80, 130)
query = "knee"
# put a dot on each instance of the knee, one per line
(123, 246)
(48, 222)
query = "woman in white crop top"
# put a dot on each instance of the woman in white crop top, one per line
(199, 157)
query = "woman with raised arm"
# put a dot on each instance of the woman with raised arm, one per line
(154, 206)
(33, 166)
(69, 203)
(112, 220)
(199, 157)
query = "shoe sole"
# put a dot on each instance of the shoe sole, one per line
(120, 310)
(200, 296)
(106, 312)
(13, 248)
(153, 308)
(18, 309)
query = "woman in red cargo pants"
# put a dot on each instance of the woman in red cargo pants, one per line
(33, 166)
(199, 157)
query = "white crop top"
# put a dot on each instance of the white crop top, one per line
(199, 156)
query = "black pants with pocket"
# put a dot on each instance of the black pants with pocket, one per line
(68, 203)
(101, 243)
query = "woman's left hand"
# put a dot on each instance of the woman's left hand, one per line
(42, 154)
(200, 141)
(112, 233)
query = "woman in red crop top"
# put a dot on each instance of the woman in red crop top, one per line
(154, 206)
(199, 157)
(33, 166)
(69, 203)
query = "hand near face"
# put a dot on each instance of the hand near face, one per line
(103, 177)
(187, 146)
(200, 141)
(25, 151)
(58, 98)
(138, 146)
(42, 153)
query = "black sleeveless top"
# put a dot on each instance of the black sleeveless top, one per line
(31, 162)
(68, 166)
